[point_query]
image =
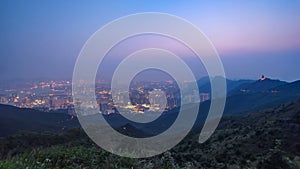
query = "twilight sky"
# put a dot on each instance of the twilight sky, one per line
(42, 39)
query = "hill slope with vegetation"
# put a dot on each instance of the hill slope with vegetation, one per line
(264, 139)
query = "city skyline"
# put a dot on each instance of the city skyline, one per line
(149, 84)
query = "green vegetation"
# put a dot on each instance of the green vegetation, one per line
(70, 157)
(267, 139)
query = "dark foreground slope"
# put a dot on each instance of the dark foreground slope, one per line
(265, 139)
(13, 120)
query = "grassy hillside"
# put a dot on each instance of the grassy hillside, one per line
(264, 139)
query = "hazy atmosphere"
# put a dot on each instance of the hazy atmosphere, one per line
(42, 39)
(150, 84)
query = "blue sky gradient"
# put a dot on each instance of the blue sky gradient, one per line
(42, 39)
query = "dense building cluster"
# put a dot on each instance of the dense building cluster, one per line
(57, 95)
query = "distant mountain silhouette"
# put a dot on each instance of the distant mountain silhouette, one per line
(258, 86)
(13, 120)
(289, 87)
(264, 94)
(260, 95)
(204, 84)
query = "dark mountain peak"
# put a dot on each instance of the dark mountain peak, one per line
(263, 78)
(266, 79)
(263, 84)
(204, 83)
(273, 82)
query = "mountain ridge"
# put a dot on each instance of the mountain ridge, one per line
(25, 119)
